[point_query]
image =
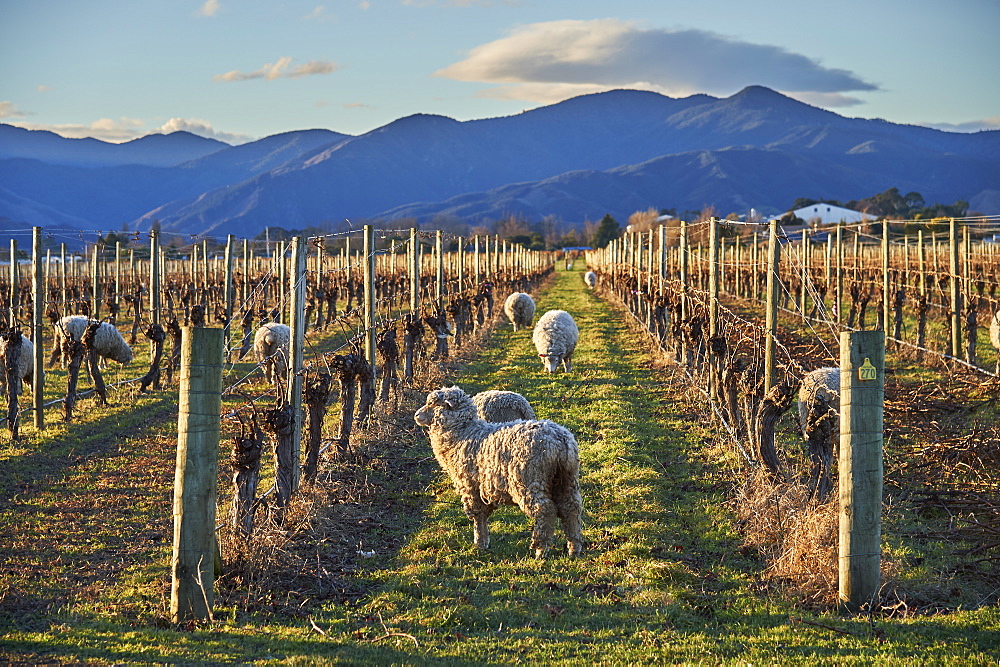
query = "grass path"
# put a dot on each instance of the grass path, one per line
(664, 577)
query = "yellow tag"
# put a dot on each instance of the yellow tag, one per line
(867, 371)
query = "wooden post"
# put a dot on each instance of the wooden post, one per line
(683, 254)
(38, 317)
(154, 276)
(228, 287)
(12, 316)
(439, 269)
(862, 392)
(771, 321)
(369, 296)
(296, 345)
(886, 283)
(198, 424)
(956, 292)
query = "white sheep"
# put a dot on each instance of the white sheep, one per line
(270, 348)
(819, 419)
(555, 337)
(495, 405)
(591, 279)
(532, 464)
(108, 341)
(25, 366)
(520, 310)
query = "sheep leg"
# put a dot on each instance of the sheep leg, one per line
(543, 511)
(569, 507)
(479, 512)
(568, 362)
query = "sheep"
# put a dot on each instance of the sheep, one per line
(25, 367)
(532, 464)
(108, 341)
(995, 336)
(819, 419)
(591, 279)
(520, 310)
(495, 405)
(555, 337)
(270, 348)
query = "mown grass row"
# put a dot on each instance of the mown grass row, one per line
(665, 576)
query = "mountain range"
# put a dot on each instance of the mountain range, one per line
(615, 152)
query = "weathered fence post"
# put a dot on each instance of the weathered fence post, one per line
(198, 425)
(38, 316)
(297, 326)
(771, 320)
(955, 311)
(862, 391)
(369, 295)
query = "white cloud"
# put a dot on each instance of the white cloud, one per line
(105, 129)
(319, 13)
(991, 123)
(9, 110)
(534, 60)
(357, 105)
(209, 8)
(364, 5)
(43, 89)
(202, 128)
(827, 100)
(279, 69)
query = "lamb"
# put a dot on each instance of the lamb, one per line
(532, 464)
(591, 279)
(108, 341)
(495, 405)
(995, 336)
(819, 419)
(555, 339)
(25, 367)
(270, 347)
(520, 310)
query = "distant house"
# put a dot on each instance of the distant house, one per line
(827, 214)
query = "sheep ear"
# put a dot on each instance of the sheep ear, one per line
(450, 404)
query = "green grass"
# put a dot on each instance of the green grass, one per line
(664, 577)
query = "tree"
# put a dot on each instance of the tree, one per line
(607, 231)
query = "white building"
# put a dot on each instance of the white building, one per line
(827, 214)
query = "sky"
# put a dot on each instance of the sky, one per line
(240, 70)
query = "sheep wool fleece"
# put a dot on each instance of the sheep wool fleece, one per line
(519, 309)
(495, 405)
(532, 464)
(555, 337)
(108, 341)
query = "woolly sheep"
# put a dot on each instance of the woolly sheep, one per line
(270, 348)
(108, 341)
(495, 405)
(819, 418)
(25, 366)
(555, 339)
(520, 310)
(532, 464)
(822, 384)
(590, 278)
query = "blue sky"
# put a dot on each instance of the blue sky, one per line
(245, 69)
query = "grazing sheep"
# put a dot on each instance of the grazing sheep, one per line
(520, 310)
(591, 279)
(25, 366)
(819, 418)
(995, 336)
(108, 341)
(555, 339)
(270, 348)
(532, 464)
(495, 405)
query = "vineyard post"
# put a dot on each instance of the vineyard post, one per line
(460, 264)
(662, 265)
(475, 260)
(195, 481)
(827, 270)
(839, 289)
(414, 270)
(438, 268)
(862, 391)
(245, 283)
(886, 283)
(956, 292)
(62, 274)
(228, 287)
(369, 286)
(279, 258)
(13, 294)
(922, 262)
(804, 273)
(683, 251)
(154, 276)
(39, 271)
(713, 305)
(771, 321)
(297, 331)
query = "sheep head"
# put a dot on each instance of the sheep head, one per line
(445, 405)
(551, 361)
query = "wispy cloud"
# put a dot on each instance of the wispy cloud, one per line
(209, 8)
(320, 14)
(9, 110)
(537, 60)
(461, 3)
(280, 69)
(357, 105)
(364, 5)
(202, 128)
(127, 129)
(43, 89)
(991, 123)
